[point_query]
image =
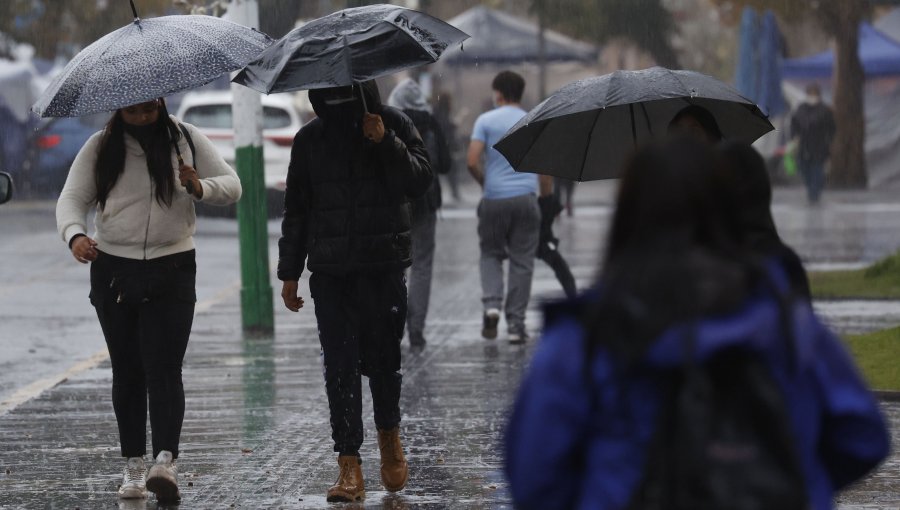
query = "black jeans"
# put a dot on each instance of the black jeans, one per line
(361, 320)
(146, 309)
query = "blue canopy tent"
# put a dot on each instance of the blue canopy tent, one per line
(880, 56)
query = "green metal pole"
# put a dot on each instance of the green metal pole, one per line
(257, 313)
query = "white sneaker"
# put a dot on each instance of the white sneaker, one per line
(163, 478)
(133, 482)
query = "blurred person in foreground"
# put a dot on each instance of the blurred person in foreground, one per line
(676, 291)
(753, 192)
(509, 219)
(143, 269)
(352, 173)
(407, 96)
(813, 127)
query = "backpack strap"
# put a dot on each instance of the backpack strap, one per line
(190, 142)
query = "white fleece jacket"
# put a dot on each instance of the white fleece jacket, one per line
(133, 224)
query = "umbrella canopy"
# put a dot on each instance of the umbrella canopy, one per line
(148, 59)
(501, 38)
(584, 130)
(350, 46)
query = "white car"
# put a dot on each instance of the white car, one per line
(283, 115)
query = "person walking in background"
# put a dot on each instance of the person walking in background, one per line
(352, 173)
(442, 112)
(604, 403)
(753, 193)
(508, 216)
(812, 125)
(565, 187)
(548, 244)
(407, 96)
(143, 269)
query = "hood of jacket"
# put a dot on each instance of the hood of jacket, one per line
(407, 95)
(345, 106)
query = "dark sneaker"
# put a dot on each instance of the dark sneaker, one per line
(490, 321)
(518, 336)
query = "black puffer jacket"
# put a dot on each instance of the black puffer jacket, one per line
(347, 199)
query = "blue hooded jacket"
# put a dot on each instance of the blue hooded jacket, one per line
(565, 451)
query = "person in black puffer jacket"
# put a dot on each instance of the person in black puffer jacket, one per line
(352, 174)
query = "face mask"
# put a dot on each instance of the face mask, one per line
(141, 133)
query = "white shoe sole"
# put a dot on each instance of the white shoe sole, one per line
(132, 493)
(161, 483)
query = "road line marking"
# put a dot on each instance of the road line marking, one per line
(38, 387)
(34, 389)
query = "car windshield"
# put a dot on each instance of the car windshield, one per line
(218, 116)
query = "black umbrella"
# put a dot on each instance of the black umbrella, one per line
(350, 46)
(147, 59)
(584, 130)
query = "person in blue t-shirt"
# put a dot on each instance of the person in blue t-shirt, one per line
(509, 219)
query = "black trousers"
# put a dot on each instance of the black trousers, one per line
(146, 309)
(361, 319)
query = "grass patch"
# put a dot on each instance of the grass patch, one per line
(881, 280)
(878, 356)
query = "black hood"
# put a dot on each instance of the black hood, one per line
(347, 112)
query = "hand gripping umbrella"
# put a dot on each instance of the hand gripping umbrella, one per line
(584, 130)
(147, 59)
(350, 46)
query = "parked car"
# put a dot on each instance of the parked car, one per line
(6, 187)
(52, 149)
(210, 112)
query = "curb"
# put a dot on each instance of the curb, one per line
(887, 395)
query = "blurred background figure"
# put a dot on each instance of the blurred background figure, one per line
(565, 187)
(443, 108)
(548, 244)
(813, 127)
(602, 403)
(408, 97)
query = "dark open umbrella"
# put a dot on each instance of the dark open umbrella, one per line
(350, 46)
(147, 59)
(584, 130)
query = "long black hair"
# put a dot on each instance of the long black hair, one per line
(674, 248)
(157, 149)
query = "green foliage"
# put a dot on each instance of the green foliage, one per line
(56, 27)
(645, 22)
(881, 280)
(876, 355)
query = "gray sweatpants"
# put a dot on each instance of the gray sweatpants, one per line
(508, 228)
(422, 233)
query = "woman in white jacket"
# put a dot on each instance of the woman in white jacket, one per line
(143, 268)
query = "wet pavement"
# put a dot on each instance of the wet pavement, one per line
(256, 431)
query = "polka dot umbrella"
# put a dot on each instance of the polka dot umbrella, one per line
(149, 58)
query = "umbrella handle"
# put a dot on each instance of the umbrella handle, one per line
(362, 96)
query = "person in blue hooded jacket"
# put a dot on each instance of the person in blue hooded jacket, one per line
(587, 408)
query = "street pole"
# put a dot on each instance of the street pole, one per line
(257, 314)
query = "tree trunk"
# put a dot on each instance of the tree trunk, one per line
(848, 163)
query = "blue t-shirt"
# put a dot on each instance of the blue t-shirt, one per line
(500, 180)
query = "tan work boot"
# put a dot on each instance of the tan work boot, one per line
(349, 485)
(394, 470)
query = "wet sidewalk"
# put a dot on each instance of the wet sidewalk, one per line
(256, 433)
